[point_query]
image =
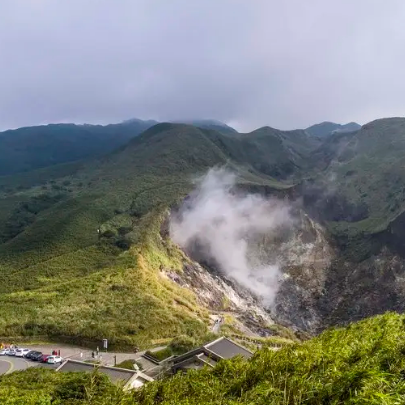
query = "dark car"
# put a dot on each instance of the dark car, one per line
(30, 354)
(36, 356)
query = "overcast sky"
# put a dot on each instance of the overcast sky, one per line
(287, 64)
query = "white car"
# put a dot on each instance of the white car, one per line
(21, 352)
(54, 359)
(10, 352)
(3, 352)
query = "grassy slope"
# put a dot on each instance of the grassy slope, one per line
(40, 386)
(366, 168)
(60, 279)
(360, 364)
(90, 293)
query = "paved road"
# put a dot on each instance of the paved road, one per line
(9, 364)
(78, 353)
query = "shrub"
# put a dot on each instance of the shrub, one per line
(129, 364)
(160, 355)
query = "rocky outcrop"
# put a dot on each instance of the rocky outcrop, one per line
(304, 255)
(223, 296)
(321, 284)
(305, 259)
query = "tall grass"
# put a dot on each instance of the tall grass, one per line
(363, 363)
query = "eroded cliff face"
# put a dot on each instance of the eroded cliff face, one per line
(319, 285)
(305, 260)
(357, 290)
(223, 297)
(304, 256)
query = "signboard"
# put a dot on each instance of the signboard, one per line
(105, 343)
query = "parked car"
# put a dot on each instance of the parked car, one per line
(21, 352)
(3, 352)
(28, 353)
(31, 354)
(44, 358)
(54, 359)
(36, 356)
(10, 352)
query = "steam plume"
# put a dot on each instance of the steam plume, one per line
(225, 224)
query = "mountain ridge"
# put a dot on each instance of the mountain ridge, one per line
(327, 128)
(37, 147)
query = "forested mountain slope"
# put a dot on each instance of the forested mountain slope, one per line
(31, 148)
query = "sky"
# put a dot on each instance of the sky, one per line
(287, 64)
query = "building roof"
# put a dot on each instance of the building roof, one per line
(226, 348)
(130, 378)
(212, 352)
(210, 361)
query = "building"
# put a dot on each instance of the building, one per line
(130, 378)
(209, 355)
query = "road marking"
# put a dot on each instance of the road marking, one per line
(11, 366)
(27, 363)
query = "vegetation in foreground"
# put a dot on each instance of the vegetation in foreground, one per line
(363, 363)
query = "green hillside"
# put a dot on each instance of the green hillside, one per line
(81, 253)
(31, 148)
(359, 188)
(80, 248)
(360, 364)
(63, 279)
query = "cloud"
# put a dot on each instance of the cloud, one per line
(285, 64)
(226, 227)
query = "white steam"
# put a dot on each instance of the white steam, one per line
(225, 224)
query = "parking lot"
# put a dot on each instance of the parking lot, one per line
(9, 364)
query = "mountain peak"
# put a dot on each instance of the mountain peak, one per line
(327, 128)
